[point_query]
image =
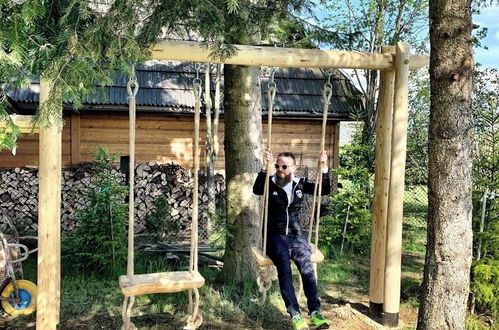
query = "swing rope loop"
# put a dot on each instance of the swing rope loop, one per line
(272, 84)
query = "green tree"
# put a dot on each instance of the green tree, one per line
(417, 129)
(485, 269)
(98, 244)
(449, 244)
(77, 43)
(349, 225)
(366, 26)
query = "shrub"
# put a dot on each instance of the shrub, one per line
(485, 284)
(99, 242)
(351, 202)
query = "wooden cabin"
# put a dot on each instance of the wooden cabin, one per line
(165, 117)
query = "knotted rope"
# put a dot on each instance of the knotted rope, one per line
(132, 89)
(316, 203)
(266, 274)
(195, 319)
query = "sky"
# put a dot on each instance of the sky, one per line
(489, 17)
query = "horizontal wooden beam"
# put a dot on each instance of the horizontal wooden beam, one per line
(192, 51)
(24, 124)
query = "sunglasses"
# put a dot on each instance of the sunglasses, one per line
(284, 167)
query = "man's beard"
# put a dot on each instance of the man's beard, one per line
(281, 181)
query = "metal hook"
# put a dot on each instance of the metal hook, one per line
(197, 66)
(132, 86)
(196, 82)
(272, 83)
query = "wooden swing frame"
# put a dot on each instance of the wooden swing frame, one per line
(394, 64)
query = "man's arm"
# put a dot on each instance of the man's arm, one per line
(309, 186)
(259, 184)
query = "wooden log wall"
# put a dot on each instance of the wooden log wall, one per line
(165, 138)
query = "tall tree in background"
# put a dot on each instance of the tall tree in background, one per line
(367, 25)
(485, 268)
(243, 134)
(449, 244)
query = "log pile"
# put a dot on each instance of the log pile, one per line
(19, 193)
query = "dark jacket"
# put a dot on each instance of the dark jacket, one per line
(283, 219)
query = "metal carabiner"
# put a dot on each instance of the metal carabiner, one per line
(196, 82)
(272, 83)
(132, 85)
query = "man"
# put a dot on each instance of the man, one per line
(285, 240)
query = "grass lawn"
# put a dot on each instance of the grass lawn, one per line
(94, 302)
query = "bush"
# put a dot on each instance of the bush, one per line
(99, 242)
(351, 202)
(485, 284)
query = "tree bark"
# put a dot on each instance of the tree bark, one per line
(243, 150)
(449, 247)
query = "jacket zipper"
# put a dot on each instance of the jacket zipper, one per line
(287, 208)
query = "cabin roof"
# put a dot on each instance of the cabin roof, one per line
(166, 86)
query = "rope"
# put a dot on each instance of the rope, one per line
(132, 89)
(271, 90)
(126, 311)
(266, 275)
(197, 91)
(194, 320)
(316, 203)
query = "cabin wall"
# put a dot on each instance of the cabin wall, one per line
(166, 138)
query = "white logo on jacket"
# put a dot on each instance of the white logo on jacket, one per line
(275, 193)
(299, 193)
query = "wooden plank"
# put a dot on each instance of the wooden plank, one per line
(160, 282)
(264, 260)
(49, 222)
(75, 138)
(24, 123)
(192, 51)
(32, 148)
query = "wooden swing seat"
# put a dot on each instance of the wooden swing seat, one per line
(264, 260)
(166, 282)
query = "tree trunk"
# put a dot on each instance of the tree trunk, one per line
(449, 247)
(243, 150)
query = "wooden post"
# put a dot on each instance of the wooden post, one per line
(381, 186)
(391, 301)
(75, 138)
(49, 223)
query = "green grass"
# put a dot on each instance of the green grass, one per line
(93, 301)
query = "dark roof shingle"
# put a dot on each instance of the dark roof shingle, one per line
(166, 86)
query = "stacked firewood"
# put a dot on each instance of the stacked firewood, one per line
(19, 193)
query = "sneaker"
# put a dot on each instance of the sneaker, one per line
(299, 323)
(318, 321)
